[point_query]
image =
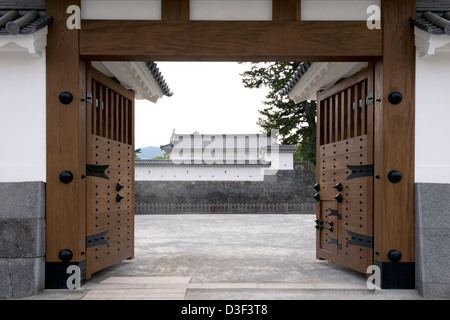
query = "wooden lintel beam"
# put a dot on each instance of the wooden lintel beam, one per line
(113, 40)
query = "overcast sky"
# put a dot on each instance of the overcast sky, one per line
(209, 97)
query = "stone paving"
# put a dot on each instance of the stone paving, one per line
(226, 257)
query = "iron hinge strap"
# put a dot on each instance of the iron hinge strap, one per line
(335, 213)
(93, 170)
(96, 239)
(89, 99)
(369, 98)
(358, 239)
(335, 241)
(360, 171)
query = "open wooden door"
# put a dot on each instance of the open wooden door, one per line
(110, 173)
(344, 186)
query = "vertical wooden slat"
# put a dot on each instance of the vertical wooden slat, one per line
(131, 126)
(349, 113)
(175, 10)
(106, 98)
(94, 107)
(101, 122)
(330, 120)
(117, 119)
(356, 120)
(337, 119)
(125, 121)
(363, 108)
(325, 122)
(344, 115)
(121, 117)
(286, 10)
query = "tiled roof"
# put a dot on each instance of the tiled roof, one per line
(298, 74)
(437, 23)
(22, 4)
(283, 148)
(432, 16)
(157, 75)
(432, 5)
(14, 22)
(192, 163)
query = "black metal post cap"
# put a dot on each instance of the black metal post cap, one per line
(65, 97)
(316, 187)
(66, 176)
(338, 197)
(119, 197)
(394, 176)
(317, 197)
(119, 186)
(395, 97)
(394, 255)
(65, 255)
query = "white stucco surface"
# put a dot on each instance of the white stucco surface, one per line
(337, 9)
(23, 120)
(121, 10)
(432, 135)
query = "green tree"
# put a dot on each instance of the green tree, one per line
(296, 122)
(165, 156)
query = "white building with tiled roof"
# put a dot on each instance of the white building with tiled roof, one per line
(217, 157)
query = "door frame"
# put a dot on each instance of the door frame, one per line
(392, 49)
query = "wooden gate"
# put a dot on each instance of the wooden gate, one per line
(110, 173)
(344, 186)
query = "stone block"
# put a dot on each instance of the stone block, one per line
(21, 277)
(22, 238)
(432, 201)
(432, 234)
(21, 200)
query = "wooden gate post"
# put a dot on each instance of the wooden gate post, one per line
(394, 147)
(66, 148)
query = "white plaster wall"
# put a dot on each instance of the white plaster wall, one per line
(23, 117)
(231, 10)
(337, 9)
(432, 135)
(121, 10)
(282, 160)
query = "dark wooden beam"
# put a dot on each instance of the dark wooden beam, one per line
(229, 40)
(286, 10)
(66, 145)
(175, 10)
(394, 210)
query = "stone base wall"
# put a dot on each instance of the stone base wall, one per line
(290, 186)
(433, 240)
(22, 239)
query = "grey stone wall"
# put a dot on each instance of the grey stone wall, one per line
(294, 186)
(22, 239)
(432, 239)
